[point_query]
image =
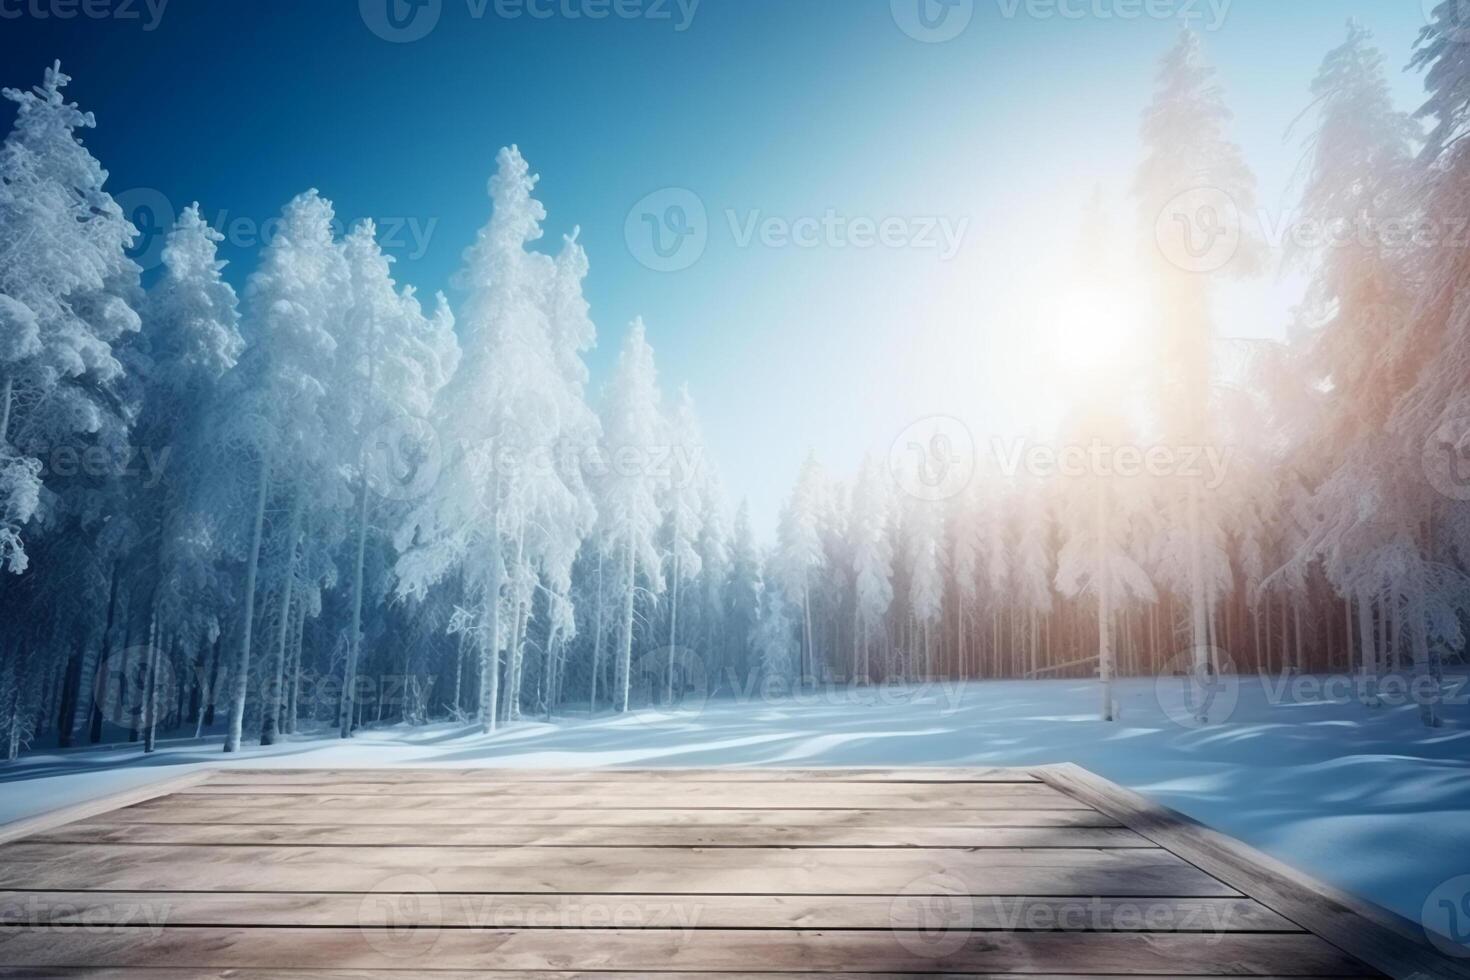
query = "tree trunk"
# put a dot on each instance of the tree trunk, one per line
(354, 642)
(274, 701)
(625, 643)
(242, 663)
(150, 686)
(597, 637)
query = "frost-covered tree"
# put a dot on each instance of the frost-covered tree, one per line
(799, 553)
(926, 561)
(1193, 184)
(66, 289)
(190, 341)
(393, 360)
(631, 486)
(274, 414)
(872, 561)
(503, 509)
(1096, 558)
(777, 644)
(713, 547)
(742, 594)
(683, 507)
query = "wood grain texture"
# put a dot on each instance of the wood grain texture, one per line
(639, 776)
(1138, 954)
(170, 973)
(800, 871)
(552, 796)
(369, 874)
(188, 810)
(102, 831)
(567, 911)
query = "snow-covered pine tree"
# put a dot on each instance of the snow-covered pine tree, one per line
(872, 561)
(683, 509)
(631, 487)
(1189, 158)
(742, 596)
(799, 555)
(393, 361)
(66, 284)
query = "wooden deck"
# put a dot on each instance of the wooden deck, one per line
(453, 874)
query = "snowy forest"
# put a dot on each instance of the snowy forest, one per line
(328, 502)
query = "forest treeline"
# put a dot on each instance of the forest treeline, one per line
(326, 503)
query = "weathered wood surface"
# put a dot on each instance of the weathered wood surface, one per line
(463, 911)
(652, 951)
(676, 874)
(517, 835)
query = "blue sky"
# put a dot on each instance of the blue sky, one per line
(763, 109)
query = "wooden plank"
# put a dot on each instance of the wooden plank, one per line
(981, 912)
(170, 973)
(1368, 932)
(185, 810)
(103, 831)
(855, 871)
(659, 950)
(747, 796)
(642, 776)
(17, 829)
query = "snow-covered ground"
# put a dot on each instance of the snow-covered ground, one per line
(1365, 799)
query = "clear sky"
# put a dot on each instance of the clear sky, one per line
(762, 109)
